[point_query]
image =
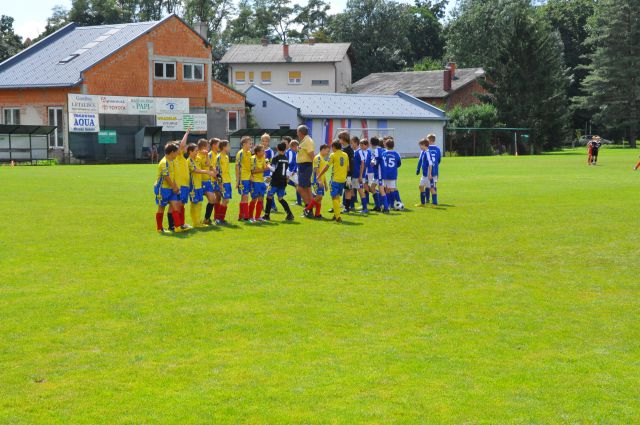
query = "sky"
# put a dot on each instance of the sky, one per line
(31, 15)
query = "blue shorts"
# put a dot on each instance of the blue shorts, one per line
(216, 187)
(207, 187)
(318, 190)
(164, 196)
(245, 187)
(196, 196)
(184, 194)
(304, 174)
(280, 191)
(227, 191)
(258, 189)
(336, 189)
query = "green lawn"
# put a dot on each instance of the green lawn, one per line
(515, 302)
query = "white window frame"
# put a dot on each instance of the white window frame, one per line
(229, 130)
(240, 82)
(13, 115)
(251, 80)
(164, 70)
(295, 81)
(193, 68)
(266, 82)
(59, 133)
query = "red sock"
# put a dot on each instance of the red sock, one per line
(310, 205)
(159, 218)
(252, 206)
(259, 206)
(241, 211)
(223, 212)
(176, 218)
(318, 206)
(216, 211)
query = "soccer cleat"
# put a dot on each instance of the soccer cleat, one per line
(339, 220)
(290, 217)
(345, 211)
(364, 211)
(386, 211)
(186, 227)
(259, 220)
(330, 210)
(163, 231)
(318, 217)
(377, 209)
(252, 220)
(218, 222)
(206, 222)
(420, 205)
(266, 217)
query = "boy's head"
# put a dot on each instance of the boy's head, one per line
(336, 145)
(171, 151)
(286, 140)
(265, 139)
(389, 144)
(364, 144)
(203, 145)
(354, 142)
(294, 145)
(192, 150)
(213, 143)
(375, 142)
(282, 146)
(224, 146)
(431, 138)
(343, 138)
(258, 151)
(245, 143)
(423, 143)
(324, 149)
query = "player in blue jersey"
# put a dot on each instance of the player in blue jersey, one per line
(269, 153)
(292, 172)
(434, 155)
(423, 166)
(379, 194)
(364, 155)
(391, 162)
(356, 174)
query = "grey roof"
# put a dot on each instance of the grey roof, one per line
(39, 65)
(273, 53)
(423, 84)
(400, 106)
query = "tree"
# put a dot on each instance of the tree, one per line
(312, 20)
(425, 29)
(277, 16)
(10, 42)
(96, 12)
(427, 64)
(213, 12)
(58, 19)
(613, 85)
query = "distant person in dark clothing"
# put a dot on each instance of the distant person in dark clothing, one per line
(595, 147)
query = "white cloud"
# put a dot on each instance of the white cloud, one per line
(29, 29)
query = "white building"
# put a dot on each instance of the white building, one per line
(402, 116)
(312, 67)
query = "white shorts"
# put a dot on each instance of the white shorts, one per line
(292, 177)
(355, 184)
(424, 181)
(391, 184)
(371, 179)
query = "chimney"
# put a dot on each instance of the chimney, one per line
(285, 52)
(446, 83)
(264, 41)
(312, 41)
(201, 28)
(452, 67)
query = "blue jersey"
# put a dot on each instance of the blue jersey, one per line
(292, 157)
(368, 163)
(377, 158)
(423, 164)
(390, 163)
(357, 163)
(433, 157)
(268, 153)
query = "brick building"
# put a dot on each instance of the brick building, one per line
(445, 89)
(153, 61)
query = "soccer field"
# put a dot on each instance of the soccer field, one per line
(516, 301)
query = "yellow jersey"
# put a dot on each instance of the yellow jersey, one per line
(196, 178)
(223, 167)
(258, 164)
(306, 150)
(182, 170)
(243, 159)
(202, 162)
(339, 161)
(165, 169)
(318, 165)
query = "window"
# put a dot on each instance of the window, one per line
(193, 71)
(165, 70)
(264, 103)
(251, 77)
(295, 77)
(266, 77)
(319, 82)
(55, 118)
(232, 121)
(285, 127)
(240, 77)
(12, 116)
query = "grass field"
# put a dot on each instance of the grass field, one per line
(516, 302)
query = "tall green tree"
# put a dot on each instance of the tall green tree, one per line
(277, 16)
(425, 30)
(10, 42)
(613, 85)
(312, 20)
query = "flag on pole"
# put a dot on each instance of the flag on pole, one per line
(365, 133)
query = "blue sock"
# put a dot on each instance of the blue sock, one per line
(397, 192)
(367, 197)
(423, 198)
(376, 199)
(426, 195)
(298, 197)
(385, 202)
(365, 202)
(435, 199)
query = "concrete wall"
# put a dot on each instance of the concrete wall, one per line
(280, 76)
(274, 113)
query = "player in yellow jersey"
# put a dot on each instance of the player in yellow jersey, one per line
(182, 175)
(224, 180)
(204, 163)
(196, 175)
(339, 162)
(259, 164)
(165, 188)
(319, 184)
(243, 177)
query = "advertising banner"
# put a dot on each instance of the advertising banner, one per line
(84, 123)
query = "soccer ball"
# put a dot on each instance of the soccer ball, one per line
(398, 206)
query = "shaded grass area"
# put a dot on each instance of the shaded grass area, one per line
(514, 302)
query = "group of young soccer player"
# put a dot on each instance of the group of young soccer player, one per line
(198, 173)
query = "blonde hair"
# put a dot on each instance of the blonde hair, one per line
(431, 137)
(265, 136)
